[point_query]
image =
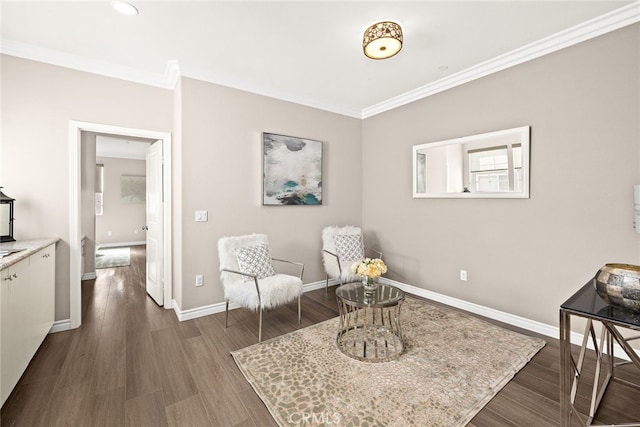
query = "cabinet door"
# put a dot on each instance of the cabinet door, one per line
(15, 334)
(42, 292)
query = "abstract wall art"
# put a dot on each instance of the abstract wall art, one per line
(133, 188)
(292, 170)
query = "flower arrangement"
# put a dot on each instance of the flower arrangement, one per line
(372, 268)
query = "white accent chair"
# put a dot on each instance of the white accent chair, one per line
(249, 280)
(341, 247)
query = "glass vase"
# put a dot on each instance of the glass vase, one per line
(369, 284)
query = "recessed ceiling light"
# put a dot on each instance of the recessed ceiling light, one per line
(124, 7)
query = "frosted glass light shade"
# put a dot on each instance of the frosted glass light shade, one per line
(382, 40)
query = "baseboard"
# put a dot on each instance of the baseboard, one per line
(501, 316)
(60, 325)
(89, 276)
(320, 285)
(120, 244)
(194, 313)
(511, 319)
(206, 310)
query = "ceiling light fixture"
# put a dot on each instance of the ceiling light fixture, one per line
(382, 40)
(124, 7)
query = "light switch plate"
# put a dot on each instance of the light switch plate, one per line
(202, 216)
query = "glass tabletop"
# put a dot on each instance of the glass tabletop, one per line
(383, 296)
(587, 302)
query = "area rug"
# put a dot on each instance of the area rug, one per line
(113, 257)
(453, 365)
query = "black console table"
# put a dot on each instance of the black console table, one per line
(587, 304)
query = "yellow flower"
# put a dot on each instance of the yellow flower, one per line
(369, 267)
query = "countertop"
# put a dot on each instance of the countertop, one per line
(30, 247)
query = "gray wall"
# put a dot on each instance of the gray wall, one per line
(523, 256)
(87, 199)
(38, 100)
(221, 165)
(123, 220)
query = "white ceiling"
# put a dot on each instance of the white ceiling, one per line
(303, 51)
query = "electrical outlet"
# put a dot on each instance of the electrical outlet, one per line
(463, 275)
(202, 216)
(199, 279)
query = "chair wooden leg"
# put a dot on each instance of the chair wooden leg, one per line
(299, 310)
(260, 326)
(226, 314)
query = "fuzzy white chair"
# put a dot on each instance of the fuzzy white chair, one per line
(341, 247)
(249, 280)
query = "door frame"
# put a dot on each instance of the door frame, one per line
(75, 149)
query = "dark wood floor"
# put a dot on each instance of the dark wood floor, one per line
(133, 363)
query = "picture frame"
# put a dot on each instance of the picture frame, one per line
(133, 188)
(292, 170)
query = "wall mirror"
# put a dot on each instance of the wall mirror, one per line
(488, 165)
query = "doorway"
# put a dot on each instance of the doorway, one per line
(119, 181)
(75, 140)
(125, 206)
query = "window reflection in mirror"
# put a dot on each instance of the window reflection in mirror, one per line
(489, 165)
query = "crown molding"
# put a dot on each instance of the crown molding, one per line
(197, 73)
(603, 24)
(173, 71)
(76, 62)
(611, 21)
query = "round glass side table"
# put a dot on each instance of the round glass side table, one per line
(369, 328)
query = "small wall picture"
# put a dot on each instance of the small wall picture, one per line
(292, 170)
(133, 188)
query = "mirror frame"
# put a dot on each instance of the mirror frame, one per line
(523, 133)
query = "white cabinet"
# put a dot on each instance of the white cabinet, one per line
(27, 304)
(13, 361)
(41, 299)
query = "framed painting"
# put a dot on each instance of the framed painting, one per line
(133, 188)
(292, 170)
